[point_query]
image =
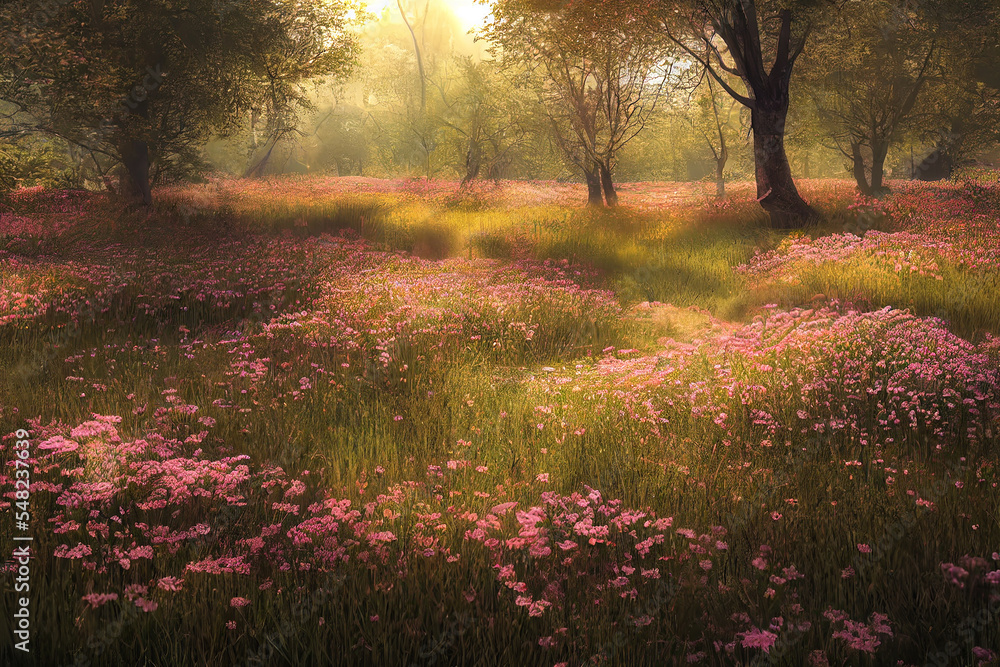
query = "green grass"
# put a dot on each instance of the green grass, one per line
(490, 397)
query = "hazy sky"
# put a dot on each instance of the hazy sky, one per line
(469, 12)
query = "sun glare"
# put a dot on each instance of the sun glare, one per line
(470, 13)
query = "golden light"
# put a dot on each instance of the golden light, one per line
(470, 14)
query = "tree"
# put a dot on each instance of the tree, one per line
(747, 45)
(407, 116)
(301, 50)
(143, 83)
(417, 53)
(488, 116)
(961, 107)
(711, 121)
(598, 69)
(872, 72)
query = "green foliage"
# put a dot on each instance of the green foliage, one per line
(112, 77)
(30, 162)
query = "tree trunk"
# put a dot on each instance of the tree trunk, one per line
(879, 153)
(594, 193)
(420, 58)
(608, 184)
(776, 190)
(720, 173)
(940, 164)
(937, 166)
(135, 179)
(473, 163)
(257, 169)
(860, 173)
(768, 98)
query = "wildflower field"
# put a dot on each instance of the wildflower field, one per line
(361, 422)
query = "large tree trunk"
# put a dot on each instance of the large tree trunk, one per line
(879, 153)
(134, 182)
(940, 164)
(937, 166)
(860, 172)
(608, 184)
(776, 190)
(767, 98)
(134, 153)
(594, 193)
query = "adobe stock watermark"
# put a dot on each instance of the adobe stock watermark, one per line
(22, 555)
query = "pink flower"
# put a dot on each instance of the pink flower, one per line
(59, 444)
(954, 574)
(835, 615)
(543, 477)
(539, 549)
(141, 552)
(864, 548)
(132, 591)
(146, 605)
(170, 583)
(95, 600)
(79, 551)
(983, 654)
(538, 607)
(858, 637)
(762, 639)
(239, 602)
(503, 508)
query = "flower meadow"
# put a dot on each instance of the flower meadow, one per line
(350, 421)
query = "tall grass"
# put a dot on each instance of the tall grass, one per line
(361, 372)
